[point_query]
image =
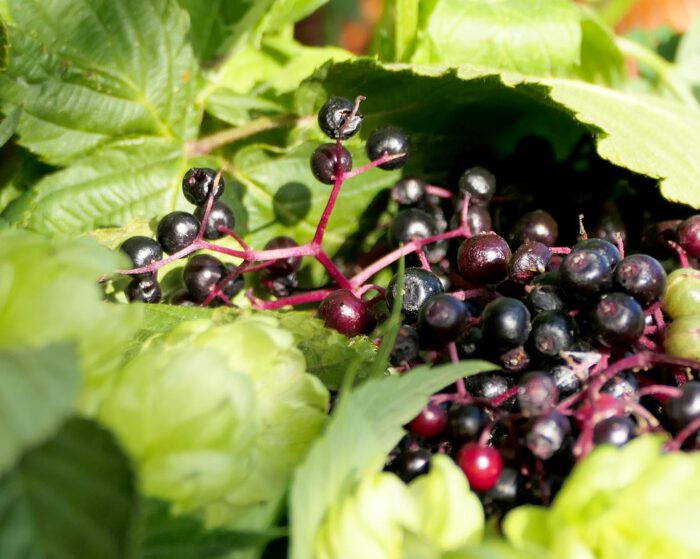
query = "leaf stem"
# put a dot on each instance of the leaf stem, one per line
(662, 68)
(207, 144)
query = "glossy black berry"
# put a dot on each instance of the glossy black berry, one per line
(547, 434)
(232, 286)
(142, 251)
(642, 277)
(334, 118)
(324, 162)
(487, 385)
(566, 379)
(617, 431)
(177, 230)
(623, 386)
(408, 191)
(479, 183)
(537, 393)
(441, 320)
(283, 266)
(465, 422)
(686, 407)
(198, 184)
(389, 140)
(406, 346)
(341, 310)
(182, 298)
(505, 323)
(412, 463)
(468, 344)
(483, 259)
(409, 225)
(585, 274)
(221, 215)
(602, 247)
(202, 272)
(538, 226)
(419, 285)
(617, 320)
(529, 260)
(506, 494)
(143, 290)
(552, 332)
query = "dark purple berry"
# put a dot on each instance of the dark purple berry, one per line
(530, 259)
(324, 162)
(234, 286)
(537, 394)
(585, 274)
(409, 225)
(202, 272)
(389, 140)
(406, 346)
(412, 463)
(142, 251)
(221, 215)
(465, 422)
(688, 235)
(484, 258)
(505, 323)
(198, 184)
(279, 286)
(441, 320)
(487, 385)
(552, 332)
(418, 286)
(617, 320)
(283, 266)
(623, 386)
(642, 277)
(177, 230)
(143, 290)
(686, 408)
(334, 118)
(479, 183)
(602, 247)
(544, 298)
(615, 430)
(548, 434)
(537, 226)
(408, 191)
(341, 310)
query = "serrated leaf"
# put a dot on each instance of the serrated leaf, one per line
(447, 111)
(139, 179)
(74, 496)
(39, 388)
(364, 427)
(328, 354)
(168, 536)
(90, 73)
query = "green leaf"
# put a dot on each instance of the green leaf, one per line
(39, 390)
(448, 111)
(328, 354)
(93, 73)
(601, 60)
(9, 123)
(168, 536)
(539, 37)
(74, 496)
(139, 179)
(365, 425)
(282, 196)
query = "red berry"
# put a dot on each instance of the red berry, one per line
(429, 423)
(344, 312)
(481, 464)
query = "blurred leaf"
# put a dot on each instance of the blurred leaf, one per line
(365, 425)
(601, 60)
(75, 496)
(39, 389)
(168, 536)
(649, 14)
(9, 123)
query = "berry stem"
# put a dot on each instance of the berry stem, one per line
(385, 158)
(454, 358)
(235, 236)
(423, 259)
(208, 206)
(683, 434)
(438, 191)
(333, 270)
(299, 299)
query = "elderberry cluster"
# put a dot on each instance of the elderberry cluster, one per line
(576, 333)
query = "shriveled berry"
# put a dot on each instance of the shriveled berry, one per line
(336, 119)
(198, 184)
(537, 393)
